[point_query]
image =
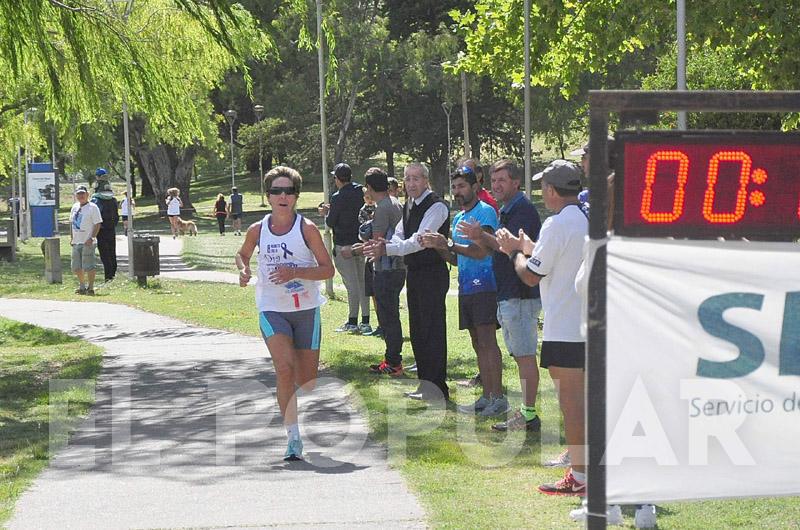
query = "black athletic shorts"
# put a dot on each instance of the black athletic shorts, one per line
(476, 309)
(563, 354)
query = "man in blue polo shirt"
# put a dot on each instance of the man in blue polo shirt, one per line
(477, 290)
(518, 305)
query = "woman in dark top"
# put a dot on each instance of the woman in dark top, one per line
(221, 213)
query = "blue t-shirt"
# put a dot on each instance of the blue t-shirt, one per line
(518, 213)
(475, 275)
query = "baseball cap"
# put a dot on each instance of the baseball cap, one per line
(561, 174)
(81, 189)
(342, 171)
(99, 172)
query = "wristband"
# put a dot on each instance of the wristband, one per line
(513, 255)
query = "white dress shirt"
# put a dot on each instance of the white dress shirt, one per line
(434, 217)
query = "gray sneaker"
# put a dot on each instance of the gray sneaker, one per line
(365, 329)
(497, 406)
(346, 328)
(474, 408)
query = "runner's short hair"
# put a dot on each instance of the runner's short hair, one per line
(283, 171)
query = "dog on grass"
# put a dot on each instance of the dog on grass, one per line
(187, 226)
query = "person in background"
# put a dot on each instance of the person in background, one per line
(174, 205)
(390, 273)
(394, 187)
(126, 208)
(477, 290)
(518, 305)
(85, 222)
(107, 236)
(341, 215)
(553, 263)
(483, 195)
(236, 210)
(221, 213)
(427, 280)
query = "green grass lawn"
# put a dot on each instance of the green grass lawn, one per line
(29, 358)
(466, 475)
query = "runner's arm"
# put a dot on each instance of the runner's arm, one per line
(246, 252)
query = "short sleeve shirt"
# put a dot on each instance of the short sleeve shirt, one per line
(518, 213)
(388, 212)
(557, 256)
(83, 219)
(475, 275)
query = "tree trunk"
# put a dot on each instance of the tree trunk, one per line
(390, 161)
(147, 189)
(341, 142)
(439, 177)
(165, 166)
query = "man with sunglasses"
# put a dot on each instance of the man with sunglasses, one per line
(518, 305)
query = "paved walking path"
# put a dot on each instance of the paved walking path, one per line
(172, 265)
(186, 433)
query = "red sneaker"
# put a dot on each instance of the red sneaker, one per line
(566, 486)
(387, 369)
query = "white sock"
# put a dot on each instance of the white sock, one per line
(293, 431)
(577, 475)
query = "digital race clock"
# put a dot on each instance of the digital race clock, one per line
(706, 185)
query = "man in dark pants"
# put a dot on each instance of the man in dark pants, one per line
(390, 272)
(107, 236)
(427, 282)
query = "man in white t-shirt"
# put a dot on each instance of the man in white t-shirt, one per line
(552, 262)
(85, 220)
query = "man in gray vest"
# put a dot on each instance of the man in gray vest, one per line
(427, 280)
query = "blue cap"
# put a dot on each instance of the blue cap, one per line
(100, 172)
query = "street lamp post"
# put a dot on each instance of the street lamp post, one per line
(230, 115)
(259, 109)
(25, 218)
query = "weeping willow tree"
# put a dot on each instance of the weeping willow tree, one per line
(78, 61)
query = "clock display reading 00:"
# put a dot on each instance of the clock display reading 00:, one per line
(708, 184)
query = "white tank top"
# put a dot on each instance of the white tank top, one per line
(124, 207)
(174, 207)
(289, 249)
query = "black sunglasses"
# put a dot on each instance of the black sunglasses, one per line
(277, 190)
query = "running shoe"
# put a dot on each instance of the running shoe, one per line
(364, 329)
(561, 460)
(377, 332)
(80, 290)
(517, 422)
(412, 368)
(566, 486)
(386, 369)
(474, 408)
(90, 292)
(497, 406)
(294, 451)
(613, 514)
(346, 328)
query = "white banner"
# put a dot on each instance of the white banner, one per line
(42, 188)
(703, 370)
